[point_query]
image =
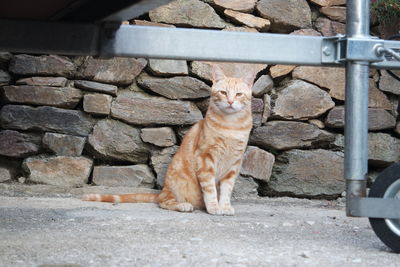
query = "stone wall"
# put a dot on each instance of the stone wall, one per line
(69, 122)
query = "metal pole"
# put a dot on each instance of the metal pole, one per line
(356, 109)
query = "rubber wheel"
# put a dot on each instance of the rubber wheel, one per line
(387, 185)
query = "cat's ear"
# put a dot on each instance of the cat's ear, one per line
(217, 74)
(249, 79)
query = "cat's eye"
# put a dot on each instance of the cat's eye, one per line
(239, 94)
(223, 93)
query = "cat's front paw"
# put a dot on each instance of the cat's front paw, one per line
(214, 210)
(227, 210)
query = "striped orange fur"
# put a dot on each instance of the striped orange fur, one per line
(132, 198)
(202, 173)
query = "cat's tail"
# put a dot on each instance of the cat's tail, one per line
(131, 198)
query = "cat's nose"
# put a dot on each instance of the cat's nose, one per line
(230, 102)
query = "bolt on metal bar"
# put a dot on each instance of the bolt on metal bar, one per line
(356, 106)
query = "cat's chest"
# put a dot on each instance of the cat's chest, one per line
(228, 156)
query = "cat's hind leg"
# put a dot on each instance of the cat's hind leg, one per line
(168, 201)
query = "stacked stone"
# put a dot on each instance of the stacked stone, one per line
(72, 121)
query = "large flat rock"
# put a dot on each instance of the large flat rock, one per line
(62, 97)
(15, 144)
(47, 119)
(168, 67)
(389, 84)
(334, 80)
(176, 87)
(281, 70)
(308, 173)
(126, 176)
(383, 149)
(285, 16)
(262, 85)
(160, 136)
(326, 77)
(202, 70)
(43, 81)
(142, 109)
(63, 171)
(63, 145)
(97, 104)
(284, 135)
(41, 65)
(115, 140)
(329, 27)
(117, 70)
(193, 13)
(378, 119)
(312, 103)
(337, 13)
(257, 163)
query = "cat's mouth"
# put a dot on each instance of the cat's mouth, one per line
(225, 107)
(230, 109)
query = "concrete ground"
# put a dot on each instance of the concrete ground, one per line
(65, 231)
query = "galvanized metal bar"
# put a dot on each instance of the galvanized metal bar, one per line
(48, 38)
(135, 10)
(375, 208)
(193, 44)
(356, 107)
(190, 44)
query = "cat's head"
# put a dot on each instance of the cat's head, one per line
(231, 95)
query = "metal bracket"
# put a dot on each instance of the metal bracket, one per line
(331, 52)
(341, 49)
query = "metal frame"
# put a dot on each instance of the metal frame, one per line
(356, 51)
(113, 39)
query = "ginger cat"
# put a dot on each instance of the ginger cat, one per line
(202, 173)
